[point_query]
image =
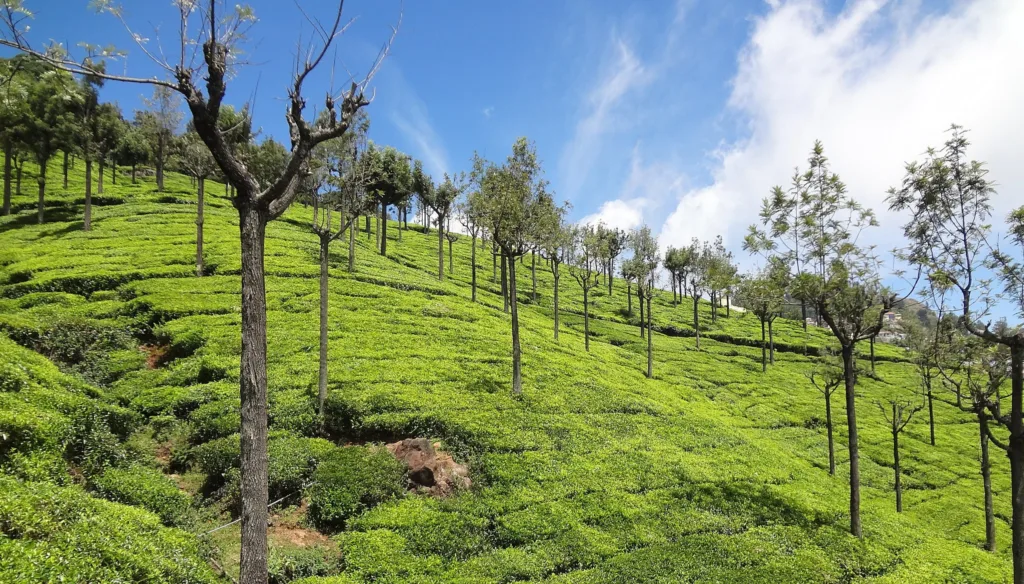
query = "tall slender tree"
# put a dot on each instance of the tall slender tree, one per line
(646, 259)
(897, 413)
(160, 122)
(827, 377)
(584, 261)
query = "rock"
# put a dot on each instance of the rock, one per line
(430, 468)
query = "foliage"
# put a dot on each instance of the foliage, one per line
(350, 480)
(147, 488)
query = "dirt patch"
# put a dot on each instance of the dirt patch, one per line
(156, 355)
(431, 470)
(286, 528)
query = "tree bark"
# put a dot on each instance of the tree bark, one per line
(931, 413)
(253, 393)
(986, 479)
(696, 319)
(451, 268)
(803, 314)
(201, 203)
(850, 382)
(65, 170)
(629, 298)
(352, 245)
(368, 226)
(828, 427)
(504, 281)
(609, 277)
(764, 351)
(640, 299)
(650, 340)
(871, 343)
(17, 179)
(533, 271)
(896, 461)
(325, 242)
(383, 229)
(555, 274)
(440, 253)
(99, 177)
(1016, 453)
(472, 261)
(7, 176)
(87, 219)
(586, 318)
(728, 306)
(771, 342)
(517, 367)
(494, 266)
(41, 180)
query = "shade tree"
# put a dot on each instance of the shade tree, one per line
(388, 178)
(194, 159)
(583, 256)
(645, 265)
(762, 294)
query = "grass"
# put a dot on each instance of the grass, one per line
(711, 471)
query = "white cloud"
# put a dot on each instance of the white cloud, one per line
(877, 84)
(410, 115)
(645, 187)
(621, 75)
(488, 111)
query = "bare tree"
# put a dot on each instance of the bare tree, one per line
(209, 47)
(898, 414)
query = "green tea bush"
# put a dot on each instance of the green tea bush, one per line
(92, 445)
(350, 480)
(289, 564)
(147, 488)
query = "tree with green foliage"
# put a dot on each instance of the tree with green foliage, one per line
(645, 259)
(583, 256)
(14, 92)
(721, 275)
(782, 216)
(470, 213)
(925, 348)
(86, 134)
(387, 176)
(159, 123)
(110, 125)
(841, 282)
(613, 242)
(701, 274)
(948, 197)
(221, 40)
(553, 240)
(827, 377)
(763, 294)
(897, 413)
(515, 199)
(132, 149)
(194, 159)
(52, 100)
(441, 200)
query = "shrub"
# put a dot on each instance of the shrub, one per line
(287, 565)
(350, 480)
(147, 488)
(92, 445)
(215, 420)
(13, 377)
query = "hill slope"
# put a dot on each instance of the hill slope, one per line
(711, 471)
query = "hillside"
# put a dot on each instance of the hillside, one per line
(709, 472)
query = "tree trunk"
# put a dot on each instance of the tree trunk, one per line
(533, 271)
(472, 261)
(17, 178)
(504, 282)
(253, 394)
(133, 176)
(803, 314)
(871, 343)
(586, 318)
(325, 242)
(828, 427)
(728, 306)
(1016, 453)
(160, 165)
(771, 342)
(494, 266)
(65, 170)
(556, 277)
(696, 320)
(517, 367)
(368, 226)
(201, 203)
(41, 180)
(850, 379)
(714, 307)
(640, 298)
(931, 412)
(672, 279)
(609, 277)
(113, 173)
(87, 219)
(451, 268)
(99, 177)
(383, 229)
(7, 176)
(896, 461)
(986, 479)
(440, 253)
(650, 340)
(352, 245)
(629, 298)
(764, 351)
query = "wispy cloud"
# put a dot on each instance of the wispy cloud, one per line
(642, 194)
(411, 116)
(621, 74)
(488, 111)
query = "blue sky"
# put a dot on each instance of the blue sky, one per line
(678, 113)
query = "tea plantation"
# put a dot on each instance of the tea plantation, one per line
(119, 419)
